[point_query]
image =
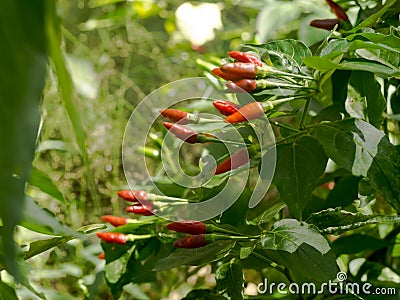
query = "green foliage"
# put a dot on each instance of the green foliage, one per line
(333, 202)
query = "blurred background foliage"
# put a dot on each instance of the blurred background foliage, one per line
(116, 53)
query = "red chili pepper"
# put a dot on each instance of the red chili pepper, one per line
(240, 69)
(235, 161)
(327, 24)
(251, 111)
(112, 237)
(133, 196)
(241, 86)
(337, 10)
(217, 72)
(190, 227)
(226, 107)
(193, 241)
(185, 134)
(175, 115)
(114, 220)
(144, 209)
(102, 255)
(245, 57)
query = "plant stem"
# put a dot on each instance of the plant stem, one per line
(268, 261)
(303, 116)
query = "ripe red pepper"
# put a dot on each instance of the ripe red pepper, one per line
(245, 57)
(337, 10)
(217, 72)
(114, 220)
(226, 107)
(243, 85)
(240, 69)
(175, 115)
(102, 255)
(193, 241)
(327, 24)
(144, 209)
(112, 237)
(185, 134)
(190, 227)
(235, 161)
(251, 111)
(133, 196)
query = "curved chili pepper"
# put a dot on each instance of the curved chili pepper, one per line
(133, 196)
(240, 69)
(217, 72)
(337, 10)
(238, 159)
(226, 107)
(327, 24)
(144, 209)
(241, 86)
(188, 135)
(112, 237)
(114, 220)
(245, 57)
(190, 227)
(193, 241)
(175, 115)
(251, 111)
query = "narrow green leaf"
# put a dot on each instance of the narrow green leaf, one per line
(289, 234)
(365, 151)
(196, 256)
(229, 277)
(22, 75)
(7, 292)
(298, 167)
(45, 184)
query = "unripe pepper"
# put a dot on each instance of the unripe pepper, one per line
(226, 107)
(238, 159)
(193, 241)
(112, 237)
(337, 10)
(327, 24)
(187, 226)
(241, 70)
(217, 72)
(251, 111)
(144, 209)
(114, 220)
(133, 196)
(245, 57)
(175, 115)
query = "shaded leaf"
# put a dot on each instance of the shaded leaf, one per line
(298, 167)
(229, 277)
(356, 243)
(365, 151)
(196, 256)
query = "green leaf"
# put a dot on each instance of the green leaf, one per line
(356, 243)
(298, 167)
(45, 184)
(367, 86)
(198, 256)
(7, 292)
(229, 277)
(338, 221)
(43, 221)
(23, 70)
(302, 249)
(286, 54)
(289, 234)
(365, 151)
(203, 295)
